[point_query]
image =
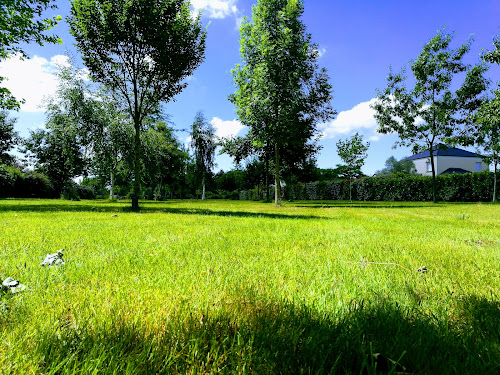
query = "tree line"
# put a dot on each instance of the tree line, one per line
(112, 129)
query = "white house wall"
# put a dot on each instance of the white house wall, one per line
(421, 167)
(442, 163)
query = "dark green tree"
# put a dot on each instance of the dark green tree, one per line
(352, 152)
(57, 152)
(21, 21)
(164, 160)
(8, 137)
(393, 166)
(433, 112)
(203, 143)
(142, 49)
(281, 92)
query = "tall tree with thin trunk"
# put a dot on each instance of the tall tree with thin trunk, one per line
(281, 93)
(352, 152)
(203, 142)
(142, 49)
(486, 133)
(432, 112)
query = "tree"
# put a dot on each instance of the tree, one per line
(21, 22)
(431, 113)
(393, 166)
(142, 49)
(203, 142)
(352, 152)
(8, 137)
(164, 160)
(281, 93)
(486, 133)
(57, 152)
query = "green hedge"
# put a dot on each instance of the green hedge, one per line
(30, 184)
(469, 187)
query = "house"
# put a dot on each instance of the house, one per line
(448, 160)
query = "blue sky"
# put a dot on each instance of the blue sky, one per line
(358, 41)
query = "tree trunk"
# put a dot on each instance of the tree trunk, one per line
(350, 189)
(111, 188)
(495, 182)
(266, 177)
(277, 186)
(137, 169)
(203, 191)
(434, 198)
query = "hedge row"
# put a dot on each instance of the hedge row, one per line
(470, 187)
(30, 184)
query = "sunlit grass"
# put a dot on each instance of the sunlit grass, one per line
(242, 287)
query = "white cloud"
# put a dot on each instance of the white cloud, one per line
(226, 128)
(359, 118)
(215, 8)
(31, 79)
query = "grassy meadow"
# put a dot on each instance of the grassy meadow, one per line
(243, 287)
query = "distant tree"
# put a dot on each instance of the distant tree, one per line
(432, 112)
(8, 137)
(164, 159)
(485, 133)
(203, 143)
(393, 166)
(142, 49)
(281, 93)
(352, 152)
(56, 152)
(21, 21)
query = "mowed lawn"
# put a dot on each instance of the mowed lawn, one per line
(245, 287)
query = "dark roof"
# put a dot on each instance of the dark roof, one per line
(449, 151)
(455, 170)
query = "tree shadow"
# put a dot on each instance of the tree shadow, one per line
(265, 337)
(147, 207)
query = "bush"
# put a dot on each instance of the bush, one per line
(86, 192)
(469, 187)
(37, 185)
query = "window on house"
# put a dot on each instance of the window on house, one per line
(478, 166)
(429, 166)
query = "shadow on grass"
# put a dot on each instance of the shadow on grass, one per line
(283, 338)
(146, 207)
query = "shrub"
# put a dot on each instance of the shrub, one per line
(469, 187)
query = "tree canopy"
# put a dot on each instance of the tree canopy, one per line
(352, 152)
(203, 142)
(281, 92)
(394, 166)
(142, 49)
(433, 111)
(21, 21)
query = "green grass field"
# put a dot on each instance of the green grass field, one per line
(242, 287)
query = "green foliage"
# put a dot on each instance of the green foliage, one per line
(352, 152)
(434, 110)
(281, 92)
(8, 137)
(143, 50)
(21, 22)
(486, 132)
(393, 166)
(16, 184)
(164, 161)
(57, 151)
(203, 143)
